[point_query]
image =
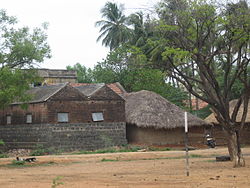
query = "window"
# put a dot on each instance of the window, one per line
(29, 118)
(8, 119)
(97, 116)
(62, 117)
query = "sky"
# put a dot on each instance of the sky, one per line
(71, 33)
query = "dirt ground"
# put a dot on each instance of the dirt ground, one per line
(126, 170)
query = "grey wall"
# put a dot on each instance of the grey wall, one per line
(85, 136)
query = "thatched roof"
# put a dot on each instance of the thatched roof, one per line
(148, 109)
(211, 118)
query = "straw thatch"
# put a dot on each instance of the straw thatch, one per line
(148, 109)
(211, 118)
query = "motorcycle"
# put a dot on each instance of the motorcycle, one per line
(210, 141)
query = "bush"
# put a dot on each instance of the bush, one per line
(3, 155)
(15, 162)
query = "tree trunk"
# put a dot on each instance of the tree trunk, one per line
(234, 148)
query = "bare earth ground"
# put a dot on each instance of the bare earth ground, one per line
(140, 170)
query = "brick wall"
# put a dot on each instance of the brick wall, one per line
(18, 115)
(81, 111)
(85, 136)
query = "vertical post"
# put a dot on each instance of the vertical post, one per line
(186, 144)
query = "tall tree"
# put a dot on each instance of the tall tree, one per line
(84, 75)
(20, 49)
(114, 30)
(216, 42)
(129, 67)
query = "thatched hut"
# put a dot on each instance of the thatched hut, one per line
(153, 120)
(218, 132)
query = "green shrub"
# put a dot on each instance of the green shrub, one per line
(3, 155)
(15, 162)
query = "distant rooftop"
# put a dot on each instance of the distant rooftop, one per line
(57, 73)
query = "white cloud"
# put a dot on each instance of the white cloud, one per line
(71, 34)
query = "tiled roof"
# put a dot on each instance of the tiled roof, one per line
(42, 93)
(116, 87)
(88, 89)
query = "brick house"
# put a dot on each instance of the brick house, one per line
(55, 76)
(62, 116)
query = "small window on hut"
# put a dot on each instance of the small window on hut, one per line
(63, 117)
(29, 118)
(8, 119)
(97, 116)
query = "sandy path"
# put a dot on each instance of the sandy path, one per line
(140, 169)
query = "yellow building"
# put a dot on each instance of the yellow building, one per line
(55, 76)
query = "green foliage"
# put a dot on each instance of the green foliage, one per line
(56, 182)
(3, 155)
(113, 28)
(20, 49)
(17, 163)
(202, 113)
(14, 83)
(84, 75)
(129, 66)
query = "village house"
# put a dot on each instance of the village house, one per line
(86, 117)
(218, 132)
(152, 120)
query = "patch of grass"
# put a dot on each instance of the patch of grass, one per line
(41, 150)
(195, 156)
(210, 161)
(109, 160)
(17, 163)
(110, 150)
(159, 149)
(3, 155)
(125, 148)
(56, 182)
(23, 164)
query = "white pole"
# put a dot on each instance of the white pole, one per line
(186, 123)
(186, 143)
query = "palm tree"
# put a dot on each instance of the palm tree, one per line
(140, 33)
(114, 30)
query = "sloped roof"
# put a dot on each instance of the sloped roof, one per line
(89, 89)
(43, 93)
(148, 109)
(116, 87)
(211, 118)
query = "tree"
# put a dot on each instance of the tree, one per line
(19, 49)
(114, 30)
(128, 65)
(212, 43)
(84, 75)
